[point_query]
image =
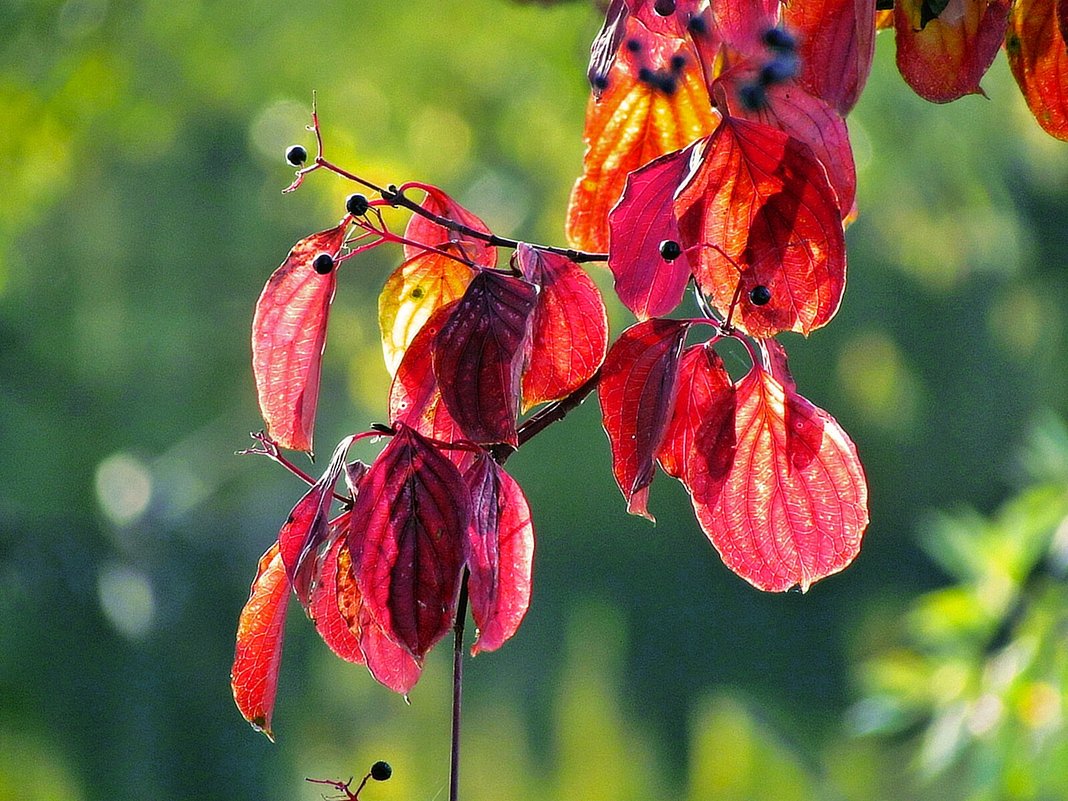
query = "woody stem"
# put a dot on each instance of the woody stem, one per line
(457, 687)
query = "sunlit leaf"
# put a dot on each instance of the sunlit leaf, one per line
(780, 493)
(1038, 56)
(569, 333)
(606, 45)
(411, 294)
(478, 356)
(260, 631)
(637, 392)
(633, 122)
(500, 553)
(946, 57)
(760, 212)
(702, 384)
(288, 337)
(835, 46)
(742, 24)
(409, 522)
(641, 225)
(426, 232)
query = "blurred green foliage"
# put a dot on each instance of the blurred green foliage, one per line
(141, 213)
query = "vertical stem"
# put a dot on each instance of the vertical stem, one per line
(457, 687)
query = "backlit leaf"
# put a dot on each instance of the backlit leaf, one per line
(478, 356)
(637, 393)
(948, 57)
(411, 294)
(500, 553)
(1038, 56)
(606, 44)
(703, 387)
(569, 333)
(741, 24)
(633, 122)
(647, 283)
(260, 631)
(780, 493)
(288, 337)
(409, 523)
(835, 46)
(760, 212)
(422, 230)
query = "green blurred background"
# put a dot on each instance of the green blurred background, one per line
(140, 214)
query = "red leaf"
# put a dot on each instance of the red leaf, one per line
(947, 59)
(307, 526)
(606, 45)
(414, 398)
(836, 43)
(795, 112)
(633, 122)
(408, 527)
(422, 230)
(1038, 55)
(501, 551)
(288, 337)
(781, 492)
(569, 332)
(478, 356)
(742, 24)
(637, 392)
(647, 283)
(260, 631)
(702, 385)
(763, 213)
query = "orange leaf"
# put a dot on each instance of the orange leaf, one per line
(1038, 56)
(260, 630)
(632, 123)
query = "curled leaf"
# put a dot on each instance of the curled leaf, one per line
(288, 337)
(260, 631)
(1038, 56)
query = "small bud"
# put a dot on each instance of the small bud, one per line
(760, 295)
(296, 155)
(356, 205)
(779, 39)
(323, 263)
(670, 250)
(381, 771)
(664, 7)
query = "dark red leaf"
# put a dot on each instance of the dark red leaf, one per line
(288, 337)
(1038, 55)
(647, 283)
(409, 522)
(569, 332)
(478, 356)
(422, 230)
(760, 212)
(948, 57)
(260, 631)
(703, 385)
(781, 492)
(500, 553)
(792, 110)
(306, 528)
(637, 393)
(836, 43)
(414, 398)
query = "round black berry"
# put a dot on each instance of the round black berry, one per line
(296, 155)
(697, 26)
(760, 295)
(670, 250)
(779, 69)
(678, 61)
(356, 205)
(664, 7)
(323, 263)
(381, 771)
(753, 96)
(779, 39)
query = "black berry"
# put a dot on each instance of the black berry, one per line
(664, 7)
(381, 771)
(356, 205)
(678, 61)
(697, 26)
(779, 69)
(296, 155)
(600, 82)
(670, 250)
(323, 263)
(779, 39)
(753, 96)
(633, 45)
(760, 295)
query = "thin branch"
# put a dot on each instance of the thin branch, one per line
(457, 687)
